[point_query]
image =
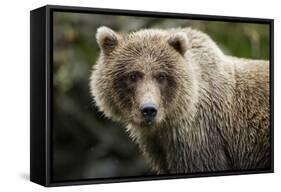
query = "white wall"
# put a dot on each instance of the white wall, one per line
(14, 94)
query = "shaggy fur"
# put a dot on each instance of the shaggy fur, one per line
(213, 108)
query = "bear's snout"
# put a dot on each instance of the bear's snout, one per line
(149, 112)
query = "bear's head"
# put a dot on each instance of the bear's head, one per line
(142, 78)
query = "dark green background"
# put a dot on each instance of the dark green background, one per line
(86, 145)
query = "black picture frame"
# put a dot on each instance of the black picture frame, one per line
(41, 54)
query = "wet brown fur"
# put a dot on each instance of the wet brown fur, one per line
(215, 107)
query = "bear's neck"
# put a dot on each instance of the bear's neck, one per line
(182, 146)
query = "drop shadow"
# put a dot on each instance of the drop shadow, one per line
(25, 176)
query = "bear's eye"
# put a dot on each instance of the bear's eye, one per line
(161, 77)
(134, 77)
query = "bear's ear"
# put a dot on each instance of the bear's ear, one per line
(107, 39)
(179, 42)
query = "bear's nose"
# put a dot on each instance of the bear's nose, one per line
(149, 111)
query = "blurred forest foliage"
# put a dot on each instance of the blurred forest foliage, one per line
(85, 144)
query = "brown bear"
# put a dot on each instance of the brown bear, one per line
(188, 106)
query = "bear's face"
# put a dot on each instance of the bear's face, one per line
(138, 76)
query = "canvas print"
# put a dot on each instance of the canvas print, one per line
(144, 96)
